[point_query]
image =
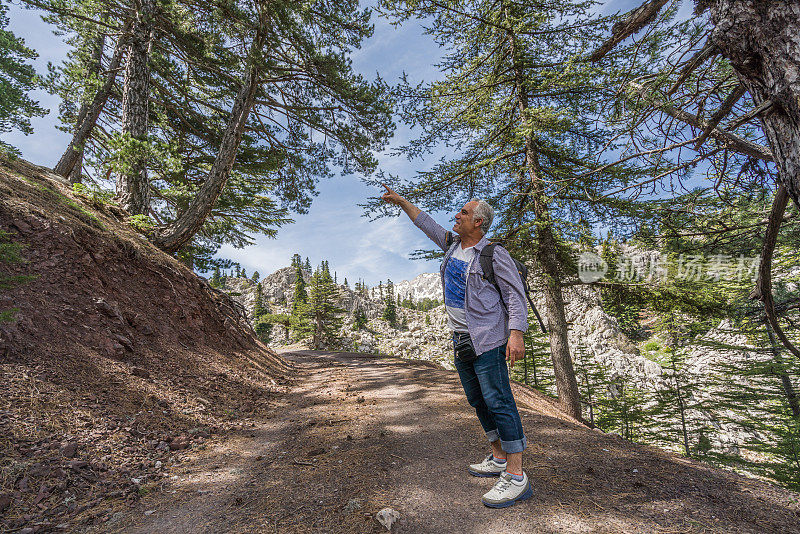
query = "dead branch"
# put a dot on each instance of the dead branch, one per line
(763, 289)
(634, 21)
(698, 59)
(720, 114)
(763, 108)
(730, 140)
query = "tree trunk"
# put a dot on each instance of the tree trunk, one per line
(546, 256)
(681, 407)
(760, 40)
(96, 66)
(133, 188)
(525, 366)
(87, 118)
(566, 384)
(318, 331)
(172, 238)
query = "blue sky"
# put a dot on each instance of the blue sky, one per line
(334, 229)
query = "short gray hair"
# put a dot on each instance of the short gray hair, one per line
(485, 212)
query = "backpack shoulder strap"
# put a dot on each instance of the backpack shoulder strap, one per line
(448, 240)
(487, 265)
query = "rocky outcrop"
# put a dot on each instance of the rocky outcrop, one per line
(418, 335)
(426, 285)
(594, 337)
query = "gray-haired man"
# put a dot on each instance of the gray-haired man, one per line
(487, 329)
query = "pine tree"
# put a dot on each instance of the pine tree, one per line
(536, 368)
(207, 149)
(133, 184)
(216, 279)
(261, 324)
(589, 380)
(324, 314)
(307, 266)
(521, 101)
(359, 319)
(622, 408)
(300, 323)
(390, 310)
(673, 416)
(712, 89)
(345, 284)
(300, 295)
(17, 79)
(258, 306)
(615, 299)
(256, 277)
(297, 261)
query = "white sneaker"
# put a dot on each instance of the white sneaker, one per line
(507, 491)
(487, 468)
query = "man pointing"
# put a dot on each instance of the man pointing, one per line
(487, 323)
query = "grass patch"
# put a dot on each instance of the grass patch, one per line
(82, 213)
(11, 252)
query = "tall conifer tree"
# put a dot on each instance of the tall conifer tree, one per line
(520, 106)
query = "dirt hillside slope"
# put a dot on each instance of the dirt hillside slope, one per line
(118, 360)
(357, 433)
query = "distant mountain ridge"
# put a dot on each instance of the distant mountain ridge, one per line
(425, 285)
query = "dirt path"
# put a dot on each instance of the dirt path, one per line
(356, 434)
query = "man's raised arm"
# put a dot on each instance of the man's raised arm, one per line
(393, 198)
(422, 220)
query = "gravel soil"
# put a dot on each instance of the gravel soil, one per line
(354, 433)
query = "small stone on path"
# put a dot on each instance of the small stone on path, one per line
(387, 517)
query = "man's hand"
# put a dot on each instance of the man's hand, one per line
(515, 348)
(391, 197)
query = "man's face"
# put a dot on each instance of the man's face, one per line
(465, 223)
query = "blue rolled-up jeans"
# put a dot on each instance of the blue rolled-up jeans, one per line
(488, 390)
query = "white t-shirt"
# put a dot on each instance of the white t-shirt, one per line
(455, 287)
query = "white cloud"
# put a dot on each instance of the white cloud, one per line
(334, 230)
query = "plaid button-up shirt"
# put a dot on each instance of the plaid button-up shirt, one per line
(489, 322)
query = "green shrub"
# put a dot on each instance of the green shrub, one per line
(652, 346)
(98, 198)
(263, 328)
(10, 252)
(142, 223)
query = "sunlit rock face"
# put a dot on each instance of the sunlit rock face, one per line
(417, 335)
(426, 285)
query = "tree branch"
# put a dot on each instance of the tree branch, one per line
(720, 114)
(729, 140)
(698, 59)
(763, 289)
(633, 22)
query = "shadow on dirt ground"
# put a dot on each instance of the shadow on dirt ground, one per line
(355, 433)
